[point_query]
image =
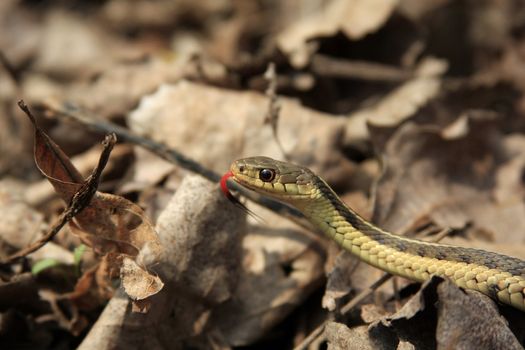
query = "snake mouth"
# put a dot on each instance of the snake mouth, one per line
(237, 177)
(240, 173)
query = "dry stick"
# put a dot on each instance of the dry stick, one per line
(359, 298)
(69, 112)
(274, 107)
(79, 202)
(331, 67)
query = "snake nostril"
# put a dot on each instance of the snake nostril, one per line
(241, 168)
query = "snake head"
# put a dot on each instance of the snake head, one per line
(284, 181)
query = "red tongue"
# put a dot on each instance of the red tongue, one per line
(234, 199)
(224, 187)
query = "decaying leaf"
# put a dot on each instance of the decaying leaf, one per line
(400, 104)
(281, 265)
(20, 224)
(137, 283)
(355, 18)
(109, 224)
(443, 316)
(341, 337)
(448, 180)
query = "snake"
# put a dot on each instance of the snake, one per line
(498, 276)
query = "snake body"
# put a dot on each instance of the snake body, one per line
(498, 276)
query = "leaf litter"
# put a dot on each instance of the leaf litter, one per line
(413, 113)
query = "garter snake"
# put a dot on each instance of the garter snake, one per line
(498, 276)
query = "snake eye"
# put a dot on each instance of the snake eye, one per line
(266, 175)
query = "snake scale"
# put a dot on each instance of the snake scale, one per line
(498, 276)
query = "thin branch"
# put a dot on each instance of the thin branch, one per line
(71, 113)
(311, 337)
(274, 107)
(331, 67)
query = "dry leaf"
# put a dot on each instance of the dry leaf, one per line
(460, 320)
(137, 283)
(281, 265)
(20, 224)
(340, 337)
(355, 18)
(450, 181)
(400, 104)
(109, 223)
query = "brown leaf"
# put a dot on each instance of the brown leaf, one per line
(355, 18)
(450, 177)
(281, 265)
(20, 224)
(443, 315)
(94, 287)
(112, 223)
(340, 337)
(55, 165)
(469, 320)
(109, 223)
(398, 105)
(137, 283)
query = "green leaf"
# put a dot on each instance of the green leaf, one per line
(77, 254)
(44, 265)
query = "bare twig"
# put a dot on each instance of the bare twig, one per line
(71, 113)
(365, 293)
(311, 337)
(274, 107)
(328, 66)
(79, 202)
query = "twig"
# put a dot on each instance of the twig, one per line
(311, 337)
(274, 107)
(365, 293)
(79, 201)
(331, 67)
(70, 112)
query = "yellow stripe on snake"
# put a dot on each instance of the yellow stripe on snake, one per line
(498, 276)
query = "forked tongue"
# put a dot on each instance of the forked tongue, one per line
(233, 199)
